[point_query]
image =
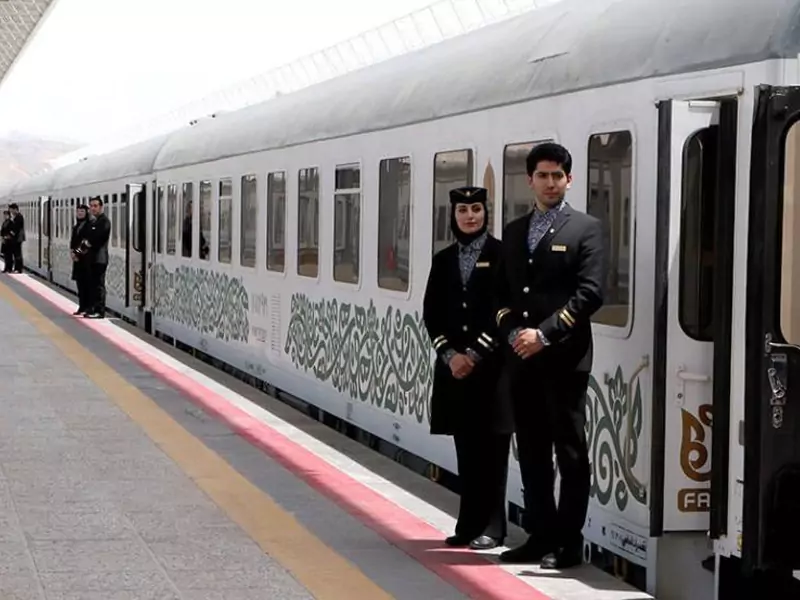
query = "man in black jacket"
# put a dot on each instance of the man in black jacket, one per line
(18, 236)
(551, 282)
(96, 242)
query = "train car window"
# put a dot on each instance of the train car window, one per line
(110, 208)
(790, 251)
(347, 224)
(116, 216)
(394, 226)
(225, 222)
(308, 222)
(698, 210)
(172, 218)
(122, 220)
(517, 194)
(276, 221)
(158, 230)
(450, 170)
(610, 181)
(249, 221)
(205, 220)
(187, 227)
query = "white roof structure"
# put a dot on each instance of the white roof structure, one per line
(19, 22)
(565, 47)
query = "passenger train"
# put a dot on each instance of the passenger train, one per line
(292, 240)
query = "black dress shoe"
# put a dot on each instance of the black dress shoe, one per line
(458, 540)
(564, 558)
(484, 542)
(529, 552)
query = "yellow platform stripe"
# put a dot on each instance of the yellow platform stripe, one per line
(323, 572)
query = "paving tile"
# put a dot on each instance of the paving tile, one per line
(273, 591)
(84, 522)
(230, 579)
(209, 551)
(90, 556)
(168, 523)
(148, 583)
(20, 587)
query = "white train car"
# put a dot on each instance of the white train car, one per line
(292, 240)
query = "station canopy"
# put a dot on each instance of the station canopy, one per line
(19, 19)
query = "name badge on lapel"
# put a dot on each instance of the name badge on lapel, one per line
(558, 248)
(482, 264)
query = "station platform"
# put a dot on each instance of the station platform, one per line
(130, 470)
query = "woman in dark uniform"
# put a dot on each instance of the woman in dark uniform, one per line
(459, 316)
(80, 264)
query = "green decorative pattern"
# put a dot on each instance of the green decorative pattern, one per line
(115, 275)
(206, 301)
(383, 360)
(62, 262)
(613, 428)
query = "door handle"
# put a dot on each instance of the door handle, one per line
(776, 376)
(684, 376)
(769, 345)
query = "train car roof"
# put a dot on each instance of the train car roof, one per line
(566, 47)
(569, 46)
(131, 161)
(41, 182)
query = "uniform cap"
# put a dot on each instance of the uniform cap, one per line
(468, 195)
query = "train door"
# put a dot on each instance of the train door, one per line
(771, 511)
(697, 169)
(135, 224)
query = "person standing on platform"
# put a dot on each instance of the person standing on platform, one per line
(96, 240)
(80, 262)
(459, 317)
(18, 236)
(7, 235)
(551, 282)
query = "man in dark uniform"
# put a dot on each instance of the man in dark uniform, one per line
(459, 313)
(551, 281)
(18, 236)
(99, 231)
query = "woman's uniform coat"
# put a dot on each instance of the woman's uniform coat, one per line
(459, 317)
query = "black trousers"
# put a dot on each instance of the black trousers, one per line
(83, 282)
(8, 257)
(96, 288)
(13, 258)
(550, 412)
(483, 472)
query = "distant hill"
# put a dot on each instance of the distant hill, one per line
(23, 155)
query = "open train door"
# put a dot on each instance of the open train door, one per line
(771, 512)
(135, 254)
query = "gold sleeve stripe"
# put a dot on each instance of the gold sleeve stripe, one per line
(487, 337)
(502, 313)
(439, 339)
(439, 343)
(483, 343)
(567, 318)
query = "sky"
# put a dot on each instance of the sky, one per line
(97, 66)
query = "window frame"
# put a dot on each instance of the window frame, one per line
(241, 211)
(412, 183)
(473, 176)
(616, 126)
(218, 197)
(311, 165)
(503, 162)
(286, 221)
(344, 165)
